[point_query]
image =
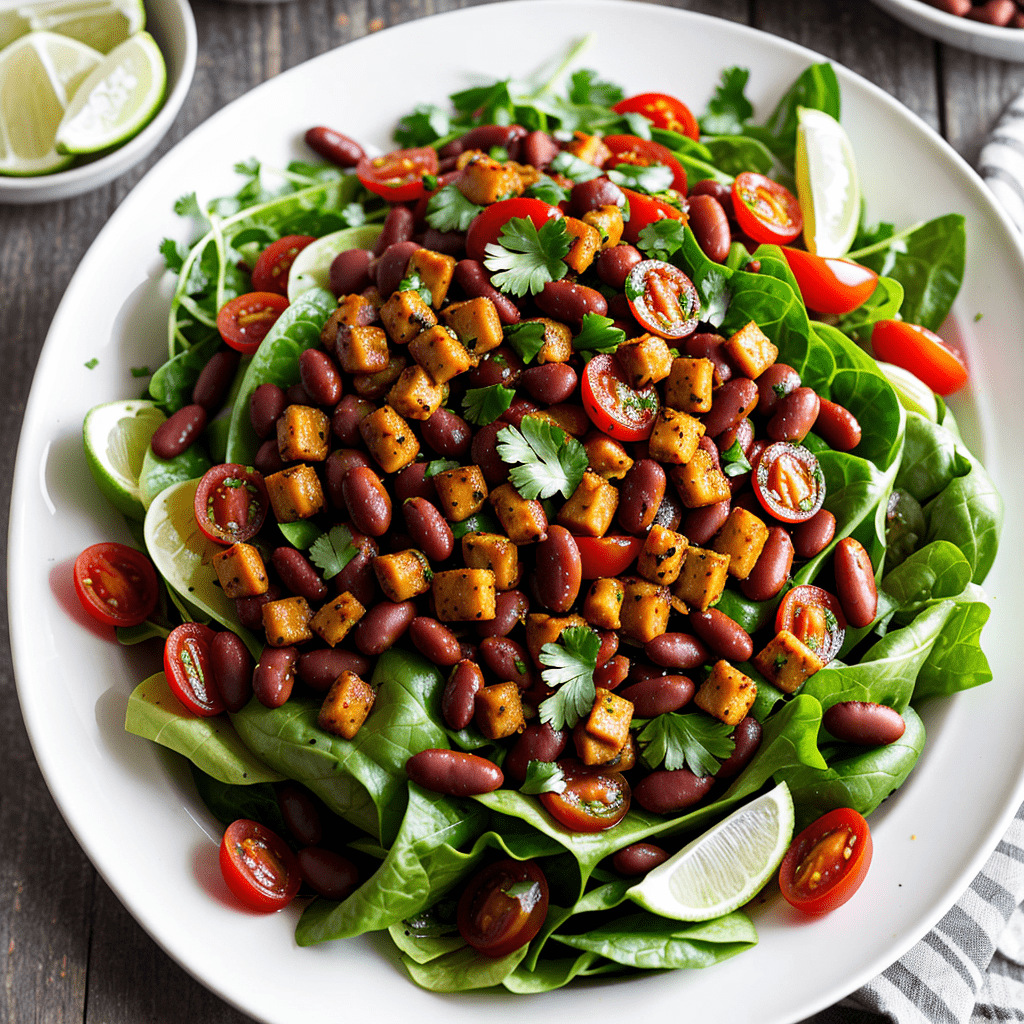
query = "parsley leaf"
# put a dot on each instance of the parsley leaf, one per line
(543, 777)
(486, 104)
(598, 334)
(353, 215)
(587, 88)
(573, 167)
(698, 742)
(526, 338)
(548, 191)
(653, 179)
(526, 259)
(734, 461)
(188, 206)
(450, 210)
(424, 125)
(484, 405)
(414, 283)
(715, 295)
(570, 667)
(332, 551)
(729, 108)
(439, 466)
(544, 459)
(174, 257)
(660, 239)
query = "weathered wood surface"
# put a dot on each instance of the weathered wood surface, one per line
(73, 954)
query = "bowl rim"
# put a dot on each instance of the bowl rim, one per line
(955, 23)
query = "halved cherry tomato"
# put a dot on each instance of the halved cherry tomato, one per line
(628, 149)
(231, 503)
(486, 226)
(246, 320)
(644, 210)
(827, 862)
(503, 907)
(767, 211)
(271, 271)
(116, 584)
(814, 617)
(398, 176)
(663, 299)
(789, 482)
(613, 406)
(259, 868)
(189, 669)
(829, 284)
(592, 801)
(920, 351)
(662, 111)
(607, 556)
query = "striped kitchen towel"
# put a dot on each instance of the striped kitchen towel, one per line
(1001, 163)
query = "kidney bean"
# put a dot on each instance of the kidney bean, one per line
(266, 404)
(742, 432)
(319, 669)
(347, 416)
(296, 394)
(435, 641)
(838, 426)
(732, 402)
(660, 694)
(508, 660)
(665, 792)
(677, 650)
(519, 408)
(232, 669)
(568, 302)
(710, 225)
(450, 150)
(327, 873)
(320, 377)
(640, 494)
(510, 608)
(855, 583)
(333, 146)
(398, 227)
(638, 859)
(274, 675)
(773, 385)
(486, 136)
(336, 467)
(177, 433)
(641, 670)
(298, 574)
(859, 721)
(609, 646)
(994, 12)
(612, 673)
(724, 636)
(501, 366)
(550, 383)
(699, 525)
(459, 696)
(558, 570)
(367, 501)
(590, 195)
(358, 577)
(467, 650)
(813, 535)
(484, 453)
(447, 433)
(349, 273)
(300, 813)
(383, 626)
(451, 243)
(472, 277)
(537, 742)
(771, 570)
(453, 772)
(709, 346)
(392, 265)
(215, 378)
(412, 482)
(669, 514)
(715, 189)
(747, 737)
(538, 149)
(794, 416)
(429, 529)
(250, 609)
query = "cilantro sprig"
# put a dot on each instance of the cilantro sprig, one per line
(695, 741)
(598, 334)
(569, 670)
(484, 405)
(570, 166)
(331, 552)
(525, 259)
(544, 459)
(543, 777)
(526, 338)
(449, 210)
(734, 461)
(662, 238)
(650, 179)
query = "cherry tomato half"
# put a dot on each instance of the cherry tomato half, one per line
(486, 227)
(767, 211)
(271, 271)
(189, 669)
(116, 584)
(613, 406)
(246, 320)
(607, 556)
(920, 351)
(663, 299)
(503, 907)
(662, 111)
(231, 503)
(789, 482)
(592, 801)
(829, 284)
(644, 210)
(814, 617)
(258, 867)
(628, 149)
(398, 176)
(827, 862)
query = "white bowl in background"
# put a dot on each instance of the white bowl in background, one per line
(964, 33)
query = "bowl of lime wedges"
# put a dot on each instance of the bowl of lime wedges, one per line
(88, 88)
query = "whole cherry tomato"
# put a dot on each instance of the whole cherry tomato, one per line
(920, 351)
(271, 271)
(503, 907)
(116, 584)
(398, 176)
(813, 616)
(607, 556)
(486, 226)
(593, 799)
(258, 867)
(789, 482)
(644, 210)
(663, 299)
(245, 321)
(662, 111)
(613, 406)
(829, 284)
(767, 211)
(189, 669)
(231, 503)
(628, 149)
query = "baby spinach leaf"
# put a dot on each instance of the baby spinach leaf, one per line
(463, 970)
(957, 662)
(551, 974)
(735, 154)
(932, 459)
(228, 803)
(882, 304)
(938, 570)
(171, 386)
(158, 474)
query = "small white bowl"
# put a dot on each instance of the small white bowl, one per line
(964, 33)
(173, 26)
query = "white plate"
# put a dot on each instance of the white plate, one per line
(133, 808)
(963, 33)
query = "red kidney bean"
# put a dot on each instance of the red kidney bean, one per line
(609, 646)
(510, 608)
(508, 660)
(590, 195)
(467, 650)
(538, 149)
(699, 525)
(732, 402)
(773, 385)
(795, 415)
(453, 772)
(319, 669)
(519, 408)
(709, 346)
(347, 416)
(715, 189)
(724, 636)
(349, 272)
(536, 743)
(486, 136)
(994, 12)
(429, 529)
(472, 277)
(298, 574)
(859, 721)
(298, 395)
(398, 227)
(710, 225)
(451, 243)
(638, 858)
(558, 570)
(383, 626)
(392, 265)
(266, 404)
(669, 514)
(367, 501)
(812, 536)
(232, 669)
(215, 378)
(677, 650)
(333, 146)
(451, 149)
(640, 494)
(612, 673)
(336, 467)
(550, 383)
(447, 433)
(747, 737)
(250, 609)
(459, 696)
(641, 670)
(614, 264)
(412, 482)
(665, 792)
(838, 426)
(274, 676)
(569, 302)
(742, 432)
(855, 583)
(501, 366)
(320, 377)
(958, 7)
(327, 873)
(435, 641)
(300, 813)
(771, 570)
(484, 453)
(659, 695)
(177, 433)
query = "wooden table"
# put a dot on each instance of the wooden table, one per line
(73, 953)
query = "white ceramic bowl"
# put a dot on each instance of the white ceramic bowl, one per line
(975, 36)
(173, 26)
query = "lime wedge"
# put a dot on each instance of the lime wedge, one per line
(726, 866)
(826, 183)
(101, 24)
(312, 267)
(117, 100)
(39, 73)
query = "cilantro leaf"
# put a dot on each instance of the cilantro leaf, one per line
(484, 405)
(353, 215)
(544, 459)
(573, 167)
(414, 283)
(652, 179)
(548, 191)
(570, 665)
(660, 239)
(424, 125)
(587, 88)
(729, 108)
(715, 296)
(439, 466)
(639, 125)
(188, 206)
(598, 334)
(174, 257)
(526, 259)
(696, 741)
(450, 210)
(734, 461)
(486, 104)
(543, 777)
(332, 551)
(526, 339)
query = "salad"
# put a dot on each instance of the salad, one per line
(615, 609)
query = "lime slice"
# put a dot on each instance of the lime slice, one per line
(39, 73)
(101, 24)
(726, 866)
(913, 393)
(312, 267)
(826, 183)
(117, 100)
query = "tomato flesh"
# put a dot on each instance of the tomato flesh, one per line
(662, 111)
(245, 321)
(116, 584)
(486, 226)
(258, 867)
(607, 556)
(398, 176)
(271, 271)
(663, 299)
(503, 907)
(789, 482)
(815, 617)
(189, 669)
(592, 801)
(766, 211)
(231, 503)
(613, 406)
(829, 284)
(644, 210)
(920, 351)
(628, 149)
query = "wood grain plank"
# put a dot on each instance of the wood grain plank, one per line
(976, 90)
